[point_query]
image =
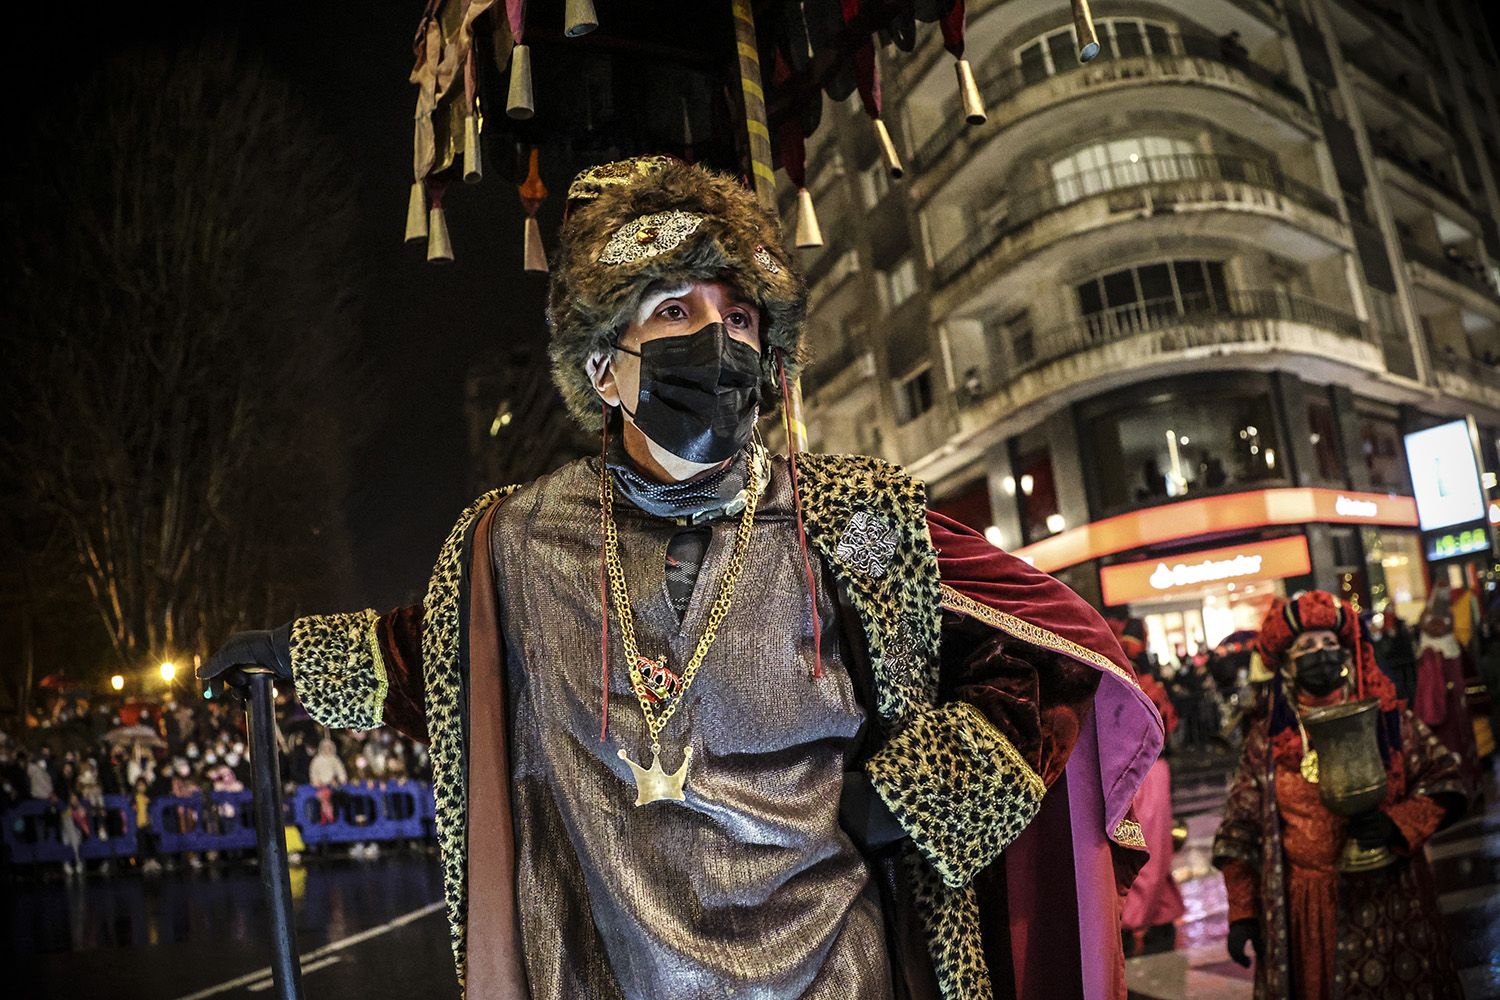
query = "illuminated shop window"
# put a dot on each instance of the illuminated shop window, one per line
(1184, 445)
(1035, 486)
(1122, 37)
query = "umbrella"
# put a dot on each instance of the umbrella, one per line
(135, 736)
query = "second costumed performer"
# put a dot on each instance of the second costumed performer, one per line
(708, 722)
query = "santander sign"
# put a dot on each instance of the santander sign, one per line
(1208, 571)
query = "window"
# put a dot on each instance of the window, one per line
(1121, 163)
(1019, 333)
(874, 182)
(901, 281)
(1323, 436)
(1384, 453)
(914, 395)
(1185, 444)
(1123, 37)
(1035, 487)
(1145, 293)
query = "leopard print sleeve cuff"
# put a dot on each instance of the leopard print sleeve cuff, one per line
(958, 787)
(338, 670)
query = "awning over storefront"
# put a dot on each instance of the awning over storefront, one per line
(1213, 515)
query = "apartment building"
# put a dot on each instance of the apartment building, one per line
(1161, 322)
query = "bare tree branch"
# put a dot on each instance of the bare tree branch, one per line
(183, 319)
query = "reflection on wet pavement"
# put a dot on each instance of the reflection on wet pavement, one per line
(129, 936)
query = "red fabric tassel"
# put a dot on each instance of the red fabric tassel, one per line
(953, 24)
(603, 581)
(791, 456)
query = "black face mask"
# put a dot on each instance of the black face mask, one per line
(699, 394)
(1321, 672)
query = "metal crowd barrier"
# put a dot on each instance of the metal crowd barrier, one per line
(394, 810)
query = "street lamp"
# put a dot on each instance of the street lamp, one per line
(168, 671)
(117, 682)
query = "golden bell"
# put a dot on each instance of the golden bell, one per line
(1083, 25)
(473, 164)
(968, 89)
(580, 18)
(808, 233)
(439, 247)
(535, 253)
(520, 101)
(416, 213)
(888, 149)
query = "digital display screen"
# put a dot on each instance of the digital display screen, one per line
(1445, 476)
(1458, 543)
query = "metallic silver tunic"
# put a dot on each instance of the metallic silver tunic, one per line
(747, 889)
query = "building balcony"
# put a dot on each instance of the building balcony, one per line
(1245, 329)
(1420, 177)
(1467, 379)
(1416, 100)
(1180, 195)
(1457, 277)
(990, 24)
(1262, 104)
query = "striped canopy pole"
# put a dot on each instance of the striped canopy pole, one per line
(762, 173)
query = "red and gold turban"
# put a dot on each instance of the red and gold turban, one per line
(1318, 610)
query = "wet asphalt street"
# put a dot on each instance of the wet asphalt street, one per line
(365, 928)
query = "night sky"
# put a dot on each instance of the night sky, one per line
(423, 324)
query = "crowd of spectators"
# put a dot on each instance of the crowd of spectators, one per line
(80, 748)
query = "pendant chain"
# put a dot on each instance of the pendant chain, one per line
(621, 600)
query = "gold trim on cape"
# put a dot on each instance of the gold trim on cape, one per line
(1128, 833)
(954, 601)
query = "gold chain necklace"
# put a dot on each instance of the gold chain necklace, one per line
(653, 784)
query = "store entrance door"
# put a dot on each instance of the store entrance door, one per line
(1181, 626)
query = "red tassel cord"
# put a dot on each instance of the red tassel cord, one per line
(791, 456)
(603, 582)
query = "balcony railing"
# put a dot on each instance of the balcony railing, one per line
(1002, 86)
(1392, 149)
(1456, 267)
(1481, 373)
(1398, 83)
(1200, 319)
(1161, 171)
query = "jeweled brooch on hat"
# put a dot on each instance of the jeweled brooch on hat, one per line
(765, 260)
(649, 236)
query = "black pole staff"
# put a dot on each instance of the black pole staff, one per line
(270, 838)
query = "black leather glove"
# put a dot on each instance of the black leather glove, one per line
(258, 647)
(1245, 930)
(1374, 829)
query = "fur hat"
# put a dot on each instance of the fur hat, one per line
(637, 222)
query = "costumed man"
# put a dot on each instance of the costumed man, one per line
(1154, 904)
(1441, 700)
(703, 721)
(1318, 933)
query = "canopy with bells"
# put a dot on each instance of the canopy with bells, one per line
(654, 76)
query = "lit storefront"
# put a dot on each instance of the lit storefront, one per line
(1199, 571)
(1198, 599)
